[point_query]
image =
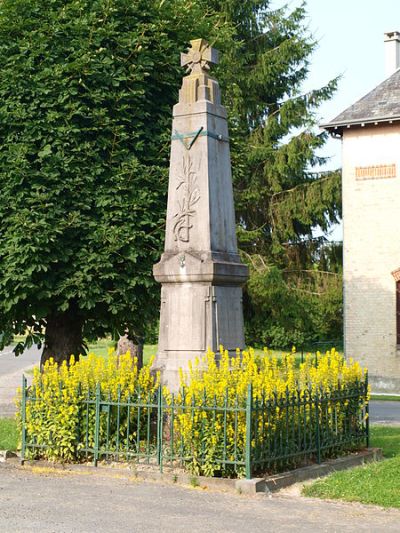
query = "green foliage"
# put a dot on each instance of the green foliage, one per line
(59, 420)
(86, 91)
(279, 199)
(213, 410)
(272, 127)
(94, 409)
(292, 307)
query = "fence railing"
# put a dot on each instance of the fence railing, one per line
(227, 437)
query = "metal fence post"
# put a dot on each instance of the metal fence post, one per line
(23, 419)
(249, 407)
(366, 410)
(160, 428)
(97, 426)
(317, 429)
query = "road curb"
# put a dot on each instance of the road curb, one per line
(280, 481)
(6, 454)
(252, 486)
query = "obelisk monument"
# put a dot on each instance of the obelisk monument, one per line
(200, 270)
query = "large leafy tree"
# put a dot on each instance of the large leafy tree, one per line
(86, 90)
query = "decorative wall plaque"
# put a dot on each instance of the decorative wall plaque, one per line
(375, 172)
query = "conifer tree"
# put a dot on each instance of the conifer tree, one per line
(280, 200)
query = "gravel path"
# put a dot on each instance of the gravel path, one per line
(48, 502)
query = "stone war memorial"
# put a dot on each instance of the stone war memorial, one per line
(200, 270)
(231, 417)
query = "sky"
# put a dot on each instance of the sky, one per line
(350, 44)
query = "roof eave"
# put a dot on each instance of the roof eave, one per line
(334, 126)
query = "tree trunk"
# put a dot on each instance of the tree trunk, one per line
(63, 336)
(133, 346)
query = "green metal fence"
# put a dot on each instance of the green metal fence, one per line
(248, 437)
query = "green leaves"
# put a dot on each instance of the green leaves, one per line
(274, 144)
(46, 151)
(86, 93)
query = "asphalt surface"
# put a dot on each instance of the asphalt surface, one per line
(11, 370)
(10, 364)
(56, 502)
(68, 503)
(385, 412)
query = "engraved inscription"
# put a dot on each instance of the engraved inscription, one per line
(375, 172)
(188, 195)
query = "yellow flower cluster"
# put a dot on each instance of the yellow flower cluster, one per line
(54, 415)
(218, 386)
(222, 376)
(222, 401)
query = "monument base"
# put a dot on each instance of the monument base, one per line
(169, 363)
(195, 317)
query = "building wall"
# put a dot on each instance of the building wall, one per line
(371, 232)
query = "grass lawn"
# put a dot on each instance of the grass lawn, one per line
(8, 434)
(101, 347)
(376, 483)
(386, 397)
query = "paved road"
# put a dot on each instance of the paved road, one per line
(384, 413)
(10, 364)
(70, 503)
(11, 370)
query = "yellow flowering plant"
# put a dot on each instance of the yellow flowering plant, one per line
(60, 407)
(211, 406)
(231, 415)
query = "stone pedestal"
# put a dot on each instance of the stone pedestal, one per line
(200, 270)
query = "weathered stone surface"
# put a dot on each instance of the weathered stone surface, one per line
(6, 454)
(135, 349)
(200, 270)
(251, 486)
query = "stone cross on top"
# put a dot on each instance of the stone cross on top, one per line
(198, 85)
(199, 57)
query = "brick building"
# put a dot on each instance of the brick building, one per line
(370, 133)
